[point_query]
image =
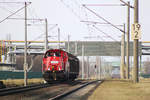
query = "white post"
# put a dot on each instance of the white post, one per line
(87, 67)
(76, 48)
(46, 35)
(25, 48)
(82, 61)
(68, 43)
(58, 38)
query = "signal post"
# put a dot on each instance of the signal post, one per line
(136, 35)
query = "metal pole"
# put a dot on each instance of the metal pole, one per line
(68, 42)
(82, 61)
(102, 69)
(9, 48)
(87, 67)
(25, 48)
(122, 57)
(46, 35)
(76, 48)
(58, 38)
(128, 43)
(124, 26)
(105, 70)
(97, 65)
(99, 68)
(15, 55)
(110, 70)
(135, 46)
(140, 63)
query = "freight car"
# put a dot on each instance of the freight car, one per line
(59, 65)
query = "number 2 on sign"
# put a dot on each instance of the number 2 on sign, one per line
(136, 34)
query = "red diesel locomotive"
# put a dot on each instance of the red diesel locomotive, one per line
(59, 65)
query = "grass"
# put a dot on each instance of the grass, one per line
(20, 82)
(122, 90)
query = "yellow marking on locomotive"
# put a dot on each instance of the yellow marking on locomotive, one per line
(52, 67)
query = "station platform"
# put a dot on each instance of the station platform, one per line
(122, 90)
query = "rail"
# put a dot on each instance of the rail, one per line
(60, 96)
(8, 91)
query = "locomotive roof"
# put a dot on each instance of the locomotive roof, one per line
(55, 50)
(61, 51)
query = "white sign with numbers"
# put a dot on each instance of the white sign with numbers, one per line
(136, 31)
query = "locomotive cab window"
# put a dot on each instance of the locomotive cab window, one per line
(51, 54)
(46, 55)
(57, 54)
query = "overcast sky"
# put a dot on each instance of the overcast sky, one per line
(68, 14)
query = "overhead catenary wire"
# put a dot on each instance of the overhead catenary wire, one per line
(50, 26)
(126, 4)
(55, 25)
(15, 2)
(96, 22)
(27, 19)
(103, 18)
(104, 33)
(13, 13)
(33, 14)
(68, 6)
(36, 20)
(118, 42)
(88, 25)
(78, 16)
(8, 10)
(107, 22)
(99, 23)
(104, 4)
(98, 36)
(31, 19)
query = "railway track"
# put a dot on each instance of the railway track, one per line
(8, 91)
(52, 91)
(63, 95)
(14, 90)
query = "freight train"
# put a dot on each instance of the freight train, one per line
(59, 65)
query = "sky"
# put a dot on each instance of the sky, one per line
(69, 16)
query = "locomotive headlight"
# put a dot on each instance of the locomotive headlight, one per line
(48, 68)
(59, 68)
(54, 62)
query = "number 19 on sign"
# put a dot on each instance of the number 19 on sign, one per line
(136, 31)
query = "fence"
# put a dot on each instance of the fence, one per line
(18, 75)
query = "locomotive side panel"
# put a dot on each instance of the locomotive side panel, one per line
(74, 66)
